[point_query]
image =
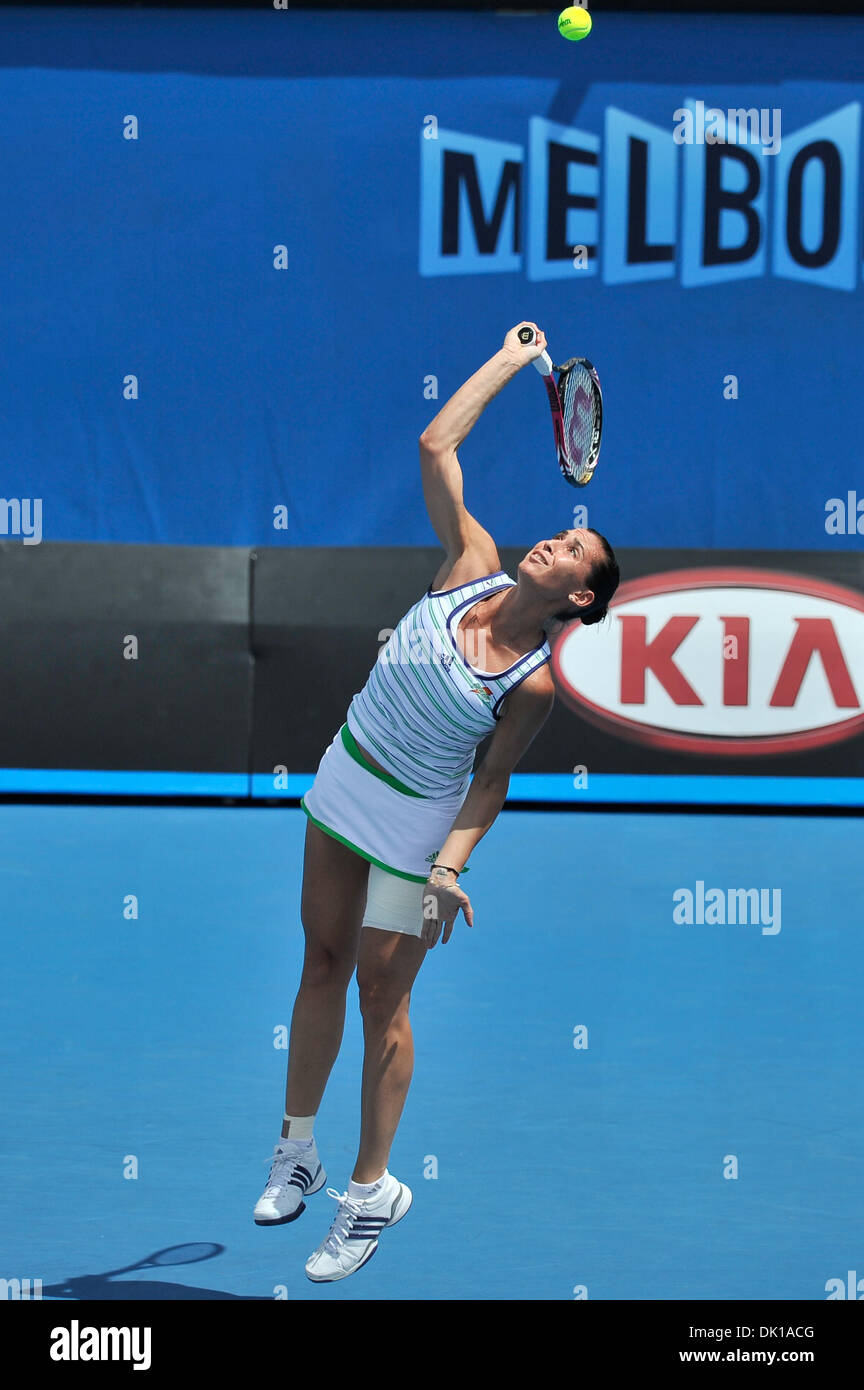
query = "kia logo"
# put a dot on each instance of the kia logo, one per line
(730, 661)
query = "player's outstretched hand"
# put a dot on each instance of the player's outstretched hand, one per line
(523, 353)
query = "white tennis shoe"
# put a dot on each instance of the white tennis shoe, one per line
(295, 1173)
(353, 1237)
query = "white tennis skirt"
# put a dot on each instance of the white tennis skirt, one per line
(399, 832)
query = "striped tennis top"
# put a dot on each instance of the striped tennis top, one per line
(424, 708)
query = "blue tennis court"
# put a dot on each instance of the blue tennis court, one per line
(152, 956)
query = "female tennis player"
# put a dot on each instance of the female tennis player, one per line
(394, 813)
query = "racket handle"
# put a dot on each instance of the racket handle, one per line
(543, 363)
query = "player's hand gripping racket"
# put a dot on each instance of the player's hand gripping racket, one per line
(577, 412)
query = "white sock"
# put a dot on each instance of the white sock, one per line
(299, 1127)
(363, 1190)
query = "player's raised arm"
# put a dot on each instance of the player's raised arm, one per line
(439, 464)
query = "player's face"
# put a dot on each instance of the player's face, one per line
(562, 564)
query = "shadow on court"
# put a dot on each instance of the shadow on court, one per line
(101, 1287)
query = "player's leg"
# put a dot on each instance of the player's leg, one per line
(335, 881)
(387, 966)
(386, 970)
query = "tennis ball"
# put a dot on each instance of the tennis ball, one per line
(574, 23)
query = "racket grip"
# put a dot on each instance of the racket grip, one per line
(543, 363)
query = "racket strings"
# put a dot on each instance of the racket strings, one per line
(579, 410)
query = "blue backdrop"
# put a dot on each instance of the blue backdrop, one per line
(170, 375)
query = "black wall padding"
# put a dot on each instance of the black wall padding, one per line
(248, 659)
(69, 699)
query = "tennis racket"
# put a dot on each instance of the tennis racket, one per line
(576, 402)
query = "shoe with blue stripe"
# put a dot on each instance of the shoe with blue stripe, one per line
(295, 1173)
(353, 1237)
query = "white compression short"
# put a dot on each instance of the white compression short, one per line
(393, 903)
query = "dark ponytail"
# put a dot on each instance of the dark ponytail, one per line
(603, 579)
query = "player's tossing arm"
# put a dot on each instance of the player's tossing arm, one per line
(439, 464)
